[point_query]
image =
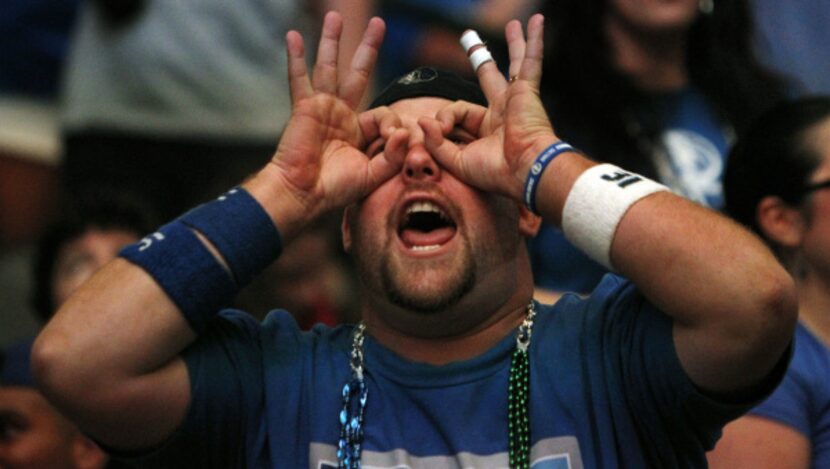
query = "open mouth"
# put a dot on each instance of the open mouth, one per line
(425, 226)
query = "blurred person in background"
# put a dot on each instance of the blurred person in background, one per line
(313, 279)
(657, 87)
(777, 182)
(426, 32)
(176, 101)
(33, 435)
(789, 37)
(88, 233)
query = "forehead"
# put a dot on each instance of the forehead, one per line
(413, 108)
(95, 236)
(18, 399)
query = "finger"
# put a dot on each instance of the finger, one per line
(532, 63)
(489, 76)
(298, 81)
(353, 86)
(462, 114)
(325, 69)
(445, 151)
(384, 168)
(378, 123)
(516, 47)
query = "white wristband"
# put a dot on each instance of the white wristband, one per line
(595, 205)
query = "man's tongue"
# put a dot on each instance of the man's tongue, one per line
(413, 237)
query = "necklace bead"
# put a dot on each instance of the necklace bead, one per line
(518, 399)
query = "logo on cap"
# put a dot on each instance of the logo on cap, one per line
(419, 75)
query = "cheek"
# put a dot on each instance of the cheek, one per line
(371, 218)
(37, 446)
(816, 240)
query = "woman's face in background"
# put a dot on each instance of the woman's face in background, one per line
(653, 16)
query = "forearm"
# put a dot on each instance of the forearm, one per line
(732, 303)
(122, 333)
(695, 264)
(115, 335)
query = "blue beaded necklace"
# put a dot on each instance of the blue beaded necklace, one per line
(355, 394)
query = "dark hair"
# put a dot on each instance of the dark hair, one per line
(773, 158)
(102, 209)
(589, 98)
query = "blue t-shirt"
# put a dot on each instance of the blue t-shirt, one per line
(802, 401)
(606, 387)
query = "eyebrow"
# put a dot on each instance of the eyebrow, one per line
(9, 415)
(815, 186)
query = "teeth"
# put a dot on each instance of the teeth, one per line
(425, 248)
(421, 207)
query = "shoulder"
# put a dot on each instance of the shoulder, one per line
(614, 312)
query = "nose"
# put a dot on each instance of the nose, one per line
(419, 165)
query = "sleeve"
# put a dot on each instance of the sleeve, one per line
(792, 402)
(788, 405)
(222, 427)
(671, 415)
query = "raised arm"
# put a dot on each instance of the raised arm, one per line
(733, 305)
(110, 358)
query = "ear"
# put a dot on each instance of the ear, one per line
(345, 228)
(780, 222)
(87, 454)
(529, 222)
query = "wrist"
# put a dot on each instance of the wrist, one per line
(287, 207)
(595, 205)
(544, 157)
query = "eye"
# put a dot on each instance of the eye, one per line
(460, 136)
(11, 427)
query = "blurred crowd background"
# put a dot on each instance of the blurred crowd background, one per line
(118, 115)
(168, 103)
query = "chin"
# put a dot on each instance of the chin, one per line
(429, 294)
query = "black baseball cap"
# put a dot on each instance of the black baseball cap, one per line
(428, 81)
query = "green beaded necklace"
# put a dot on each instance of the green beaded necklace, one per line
(518, 392)
(518, 395)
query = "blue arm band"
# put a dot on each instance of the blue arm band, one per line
(535, 174)
(184, 268)
(241, 230)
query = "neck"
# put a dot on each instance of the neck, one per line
(654, 61)
(814, 304)
(443, 350)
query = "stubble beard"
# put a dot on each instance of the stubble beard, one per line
(422, 286)
(403, 288)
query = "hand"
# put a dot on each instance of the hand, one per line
(511, 132)
(319, 162)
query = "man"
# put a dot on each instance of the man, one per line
(437, 375)
(88, 233)
(34, 435)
